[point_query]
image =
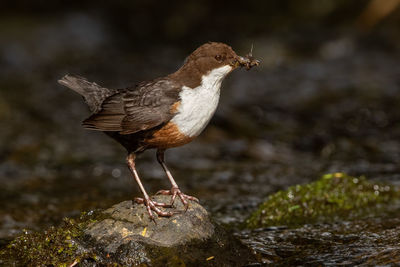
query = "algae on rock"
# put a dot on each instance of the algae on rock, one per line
(57, 246)
(332, 197)
(123, 235)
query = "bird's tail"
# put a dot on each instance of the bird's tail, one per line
(93, 93)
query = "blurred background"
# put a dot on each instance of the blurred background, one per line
(324, 99)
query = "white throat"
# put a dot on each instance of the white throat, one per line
(198, 105)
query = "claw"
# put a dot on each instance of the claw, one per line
(163, 192)
(153, 206)
(175, 191)
(140, 200)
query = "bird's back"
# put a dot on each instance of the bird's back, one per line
(137, 117)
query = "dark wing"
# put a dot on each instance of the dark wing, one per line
(136, 109)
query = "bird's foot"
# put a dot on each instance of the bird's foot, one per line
(153, 206)
(175, 191)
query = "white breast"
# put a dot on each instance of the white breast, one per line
(198, 105)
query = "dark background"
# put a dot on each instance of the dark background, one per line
(325, 98)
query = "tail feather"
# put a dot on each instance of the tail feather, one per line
(93, 93)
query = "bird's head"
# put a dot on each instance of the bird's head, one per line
(218, 58)
(214, 55)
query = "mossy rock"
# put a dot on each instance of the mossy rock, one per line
(57, 246)
(334, 196)
(123, 235)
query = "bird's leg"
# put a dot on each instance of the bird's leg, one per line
(150, 204)
(175, 191)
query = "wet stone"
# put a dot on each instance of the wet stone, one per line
(124, 235)
(131, 222)
(128, 236)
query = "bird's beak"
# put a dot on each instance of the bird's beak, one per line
(247, 61)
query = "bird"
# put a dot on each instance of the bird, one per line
(163, 113)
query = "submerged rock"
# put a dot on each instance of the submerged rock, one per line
(124, 235)
(366, 242)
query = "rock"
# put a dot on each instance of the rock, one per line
(123, 235)
(130, 222)
(127, 236)
(333, 197)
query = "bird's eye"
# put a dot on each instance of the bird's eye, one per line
(219, 57)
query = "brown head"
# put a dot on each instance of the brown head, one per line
(208, 57)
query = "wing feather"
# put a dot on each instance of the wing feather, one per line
(136, 109)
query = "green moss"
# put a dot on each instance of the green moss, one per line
(332, 197)
(55, 247)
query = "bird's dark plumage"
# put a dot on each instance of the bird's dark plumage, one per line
(129, 110)
(93, 94)
(136, 109)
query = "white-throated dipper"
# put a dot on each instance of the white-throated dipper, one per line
(164, 113)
